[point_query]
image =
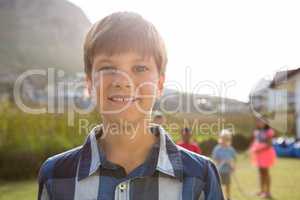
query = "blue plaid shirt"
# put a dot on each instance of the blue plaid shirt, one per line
(169, 173)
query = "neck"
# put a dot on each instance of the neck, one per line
(224, 145)
(125, 134)
(187, 141)
(127, 142)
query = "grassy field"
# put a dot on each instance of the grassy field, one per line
(25, 190)
(285, 175)
(285, 180)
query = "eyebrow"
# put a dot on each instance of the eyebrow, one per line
(139, 60)
(106, 67)
(104, 60)
(107, 60)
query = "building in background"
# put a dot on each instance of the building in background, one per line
(280, 99)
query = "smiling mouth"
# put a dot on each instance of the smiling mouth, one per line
(122, 99)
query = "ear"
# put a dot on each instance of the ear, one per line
(88, 83)
(160, 85)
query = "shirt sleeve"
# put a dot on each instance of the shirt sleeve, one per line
(213, 188)
(43, 193)
(42, 188)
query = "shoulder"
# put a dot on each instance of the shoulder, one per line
(61, 165)
(270, 132)
(201, 168)
(194, 164)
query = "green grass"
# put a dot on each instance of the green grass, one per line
(25, 190)
(285, 177)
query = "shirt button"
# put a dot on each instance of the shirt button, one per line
(122, 186)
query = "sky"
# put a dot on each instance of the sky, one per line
(219, 48)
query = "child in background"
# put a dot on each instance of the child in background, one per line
(263, 155)
(225, 156)
(187, 142)
(158, 118)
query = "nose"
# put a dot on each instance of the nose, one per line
(122, 81)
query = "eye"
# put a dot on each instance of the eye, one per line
(140, 68)
(107, 69)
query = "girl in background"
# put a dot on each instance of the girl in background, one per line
(263, 155)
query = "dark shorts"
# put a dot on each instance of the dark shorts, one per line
(225, 178)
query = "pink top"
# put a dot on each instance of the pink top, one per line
(262, 154)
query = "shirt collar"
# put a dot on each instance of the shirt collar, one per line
(169, 159)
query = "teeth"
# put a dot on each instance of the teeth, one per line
(122, 99)
(117, 99)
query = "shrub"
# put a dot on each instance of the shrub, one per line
(241, 142)
(26, 140)
(207, 146)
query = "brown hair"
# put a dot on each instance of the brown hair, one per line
(122, 32)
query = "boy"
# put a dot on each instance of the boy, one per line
(158, 118)
(225, 155)
(187, 143)
(125, 157)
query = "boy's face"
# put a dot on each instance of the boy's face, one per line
(186, 136)
(159, 120)
(126, 86)
(260, 124)
(225, 141)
